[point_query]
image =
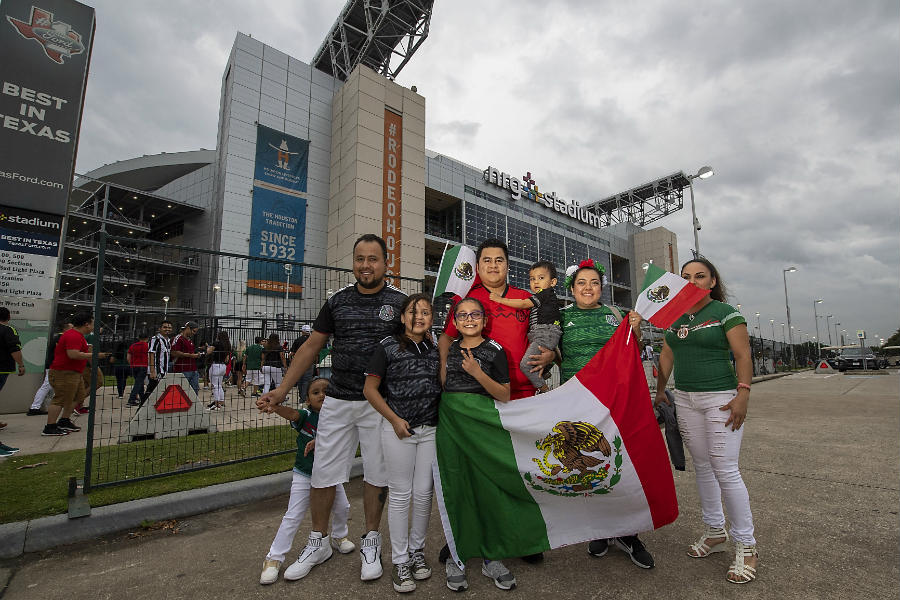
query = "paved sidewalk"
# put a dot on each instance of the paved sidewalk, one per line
(819, 457)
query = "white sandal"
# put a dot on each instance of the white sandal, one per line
(742, 572)
(701, 547)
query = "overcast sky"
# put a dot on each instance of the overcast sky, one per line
(796, 105)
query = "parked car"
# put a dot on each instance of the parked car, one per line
(852, 358)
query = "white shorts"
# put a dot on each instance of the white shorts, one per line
(255, 377)
(342, 425)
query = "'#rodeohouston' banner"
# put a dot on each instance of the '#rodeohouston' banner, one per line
(45, 47)
(278, 221)
(391, 224)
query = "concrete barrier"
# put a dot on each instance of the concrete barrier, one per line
(823, 366)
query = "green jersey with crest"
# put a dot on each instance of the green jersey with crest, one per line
(701, 350)
(584, 332)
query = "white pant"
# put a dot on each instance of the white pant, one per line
(272, 377)
(715, 449)
(344, 424)
(216, 375)
(408, 465)
(296, 511)
(254, 377)
(44, 393)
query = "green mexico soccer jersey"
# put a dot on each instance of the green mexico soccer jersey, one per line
(701, 350)
(584, 332)
(253, 357)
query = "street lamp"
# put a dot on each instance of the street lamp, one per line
(703, 173)
(288, 269)
(787, 306)
(772, 322)
(759, 335)
(166, 313)
(816, 319)
(782, 339)
(843, 331)
(836, 338)
(828, 327)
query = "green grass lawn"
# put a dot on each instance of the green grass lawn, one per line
(42, 490)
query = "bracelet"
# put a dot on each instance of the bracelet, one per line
(746, 386)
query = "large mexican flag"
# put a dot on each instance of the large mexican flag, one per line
(582, 462)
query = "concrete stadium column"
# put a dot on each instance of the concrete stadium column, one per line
(378, 171)
(657, 244)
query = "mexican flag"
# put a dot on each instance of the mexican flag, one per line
(666, 296)
(457, 272)
(582, 462)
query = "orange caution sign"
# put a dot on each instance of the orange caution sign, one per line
(173, 400)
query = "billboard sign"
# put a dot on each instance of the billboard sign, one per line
(278, 218)
(29, 249)
(46, 49)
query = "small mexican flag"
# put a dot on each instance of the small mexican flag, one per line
(666, 296)
(457, 272)
(582, 462)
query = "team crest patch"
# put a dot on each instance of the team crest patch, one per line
(386, 312)
(464, 271)
(658, 294)
(575, 473)
(612, 320)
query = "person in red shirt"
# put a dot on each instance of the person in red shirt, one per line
(186, 355)
(138, 355)
(70, 357)
(506, 326)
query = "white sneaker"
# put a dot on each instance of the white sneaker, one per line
(317, 551)
(370, 555)
(270, 571)
(343, 545)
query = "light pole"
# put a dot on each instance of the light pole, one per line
(828, 327)
(166, 311)
(703, 173)
(787, 307)
(816, 319)
(843, 331)
(836, 338)
(759, 335)
(288, 269)
(772, 321)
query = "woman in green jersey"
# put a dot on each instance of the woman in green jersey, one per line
(587, 325)
(711, 402)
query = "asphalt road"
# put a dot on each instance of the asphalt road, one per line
(820, 459)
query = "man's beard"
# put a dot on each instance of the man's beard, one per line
(370, 286)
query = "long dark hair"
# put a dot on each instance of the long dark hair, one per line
(223, 341)
(273, 344)
(413, 300)
(718, 291)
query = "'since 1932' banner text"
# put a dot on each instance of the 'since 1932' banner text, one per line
(390, 208)
(45, 47)
(278, 221)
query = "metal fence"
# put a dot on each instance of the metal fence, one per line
(174, 431)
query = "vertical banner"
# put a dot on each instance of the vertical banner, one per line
(278, 216)
(390, 208)
(46, 50)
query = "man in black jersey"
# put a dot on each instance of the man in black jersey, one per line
(358, 317)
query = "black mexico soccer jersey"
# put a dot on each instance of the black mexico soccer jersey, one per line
(409, 379)
(358, 322)
(492, 358)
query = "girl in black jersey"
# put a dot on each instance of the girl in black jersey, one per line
(475, 364)
(402, 384)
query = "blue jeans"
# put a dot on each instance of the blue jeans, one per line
(137, 390)
(193, 378)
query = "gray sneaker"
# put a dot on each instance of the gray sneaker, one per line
(401, 576)
(456, 577)
(494, 569)
(420, 568)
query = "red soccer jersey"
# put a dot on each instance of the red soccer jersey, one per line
(508, 327)
(71, 339)
(139, 352)
(183, 364)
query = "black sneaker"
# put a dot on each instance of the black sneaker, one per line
(598, 547)
(67, 425)
(53, 429)
(33, 412)
(635, 550)
(444, 554)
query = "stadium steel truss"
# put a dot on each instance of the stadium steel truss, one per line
(381, 34)
(643, 204)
